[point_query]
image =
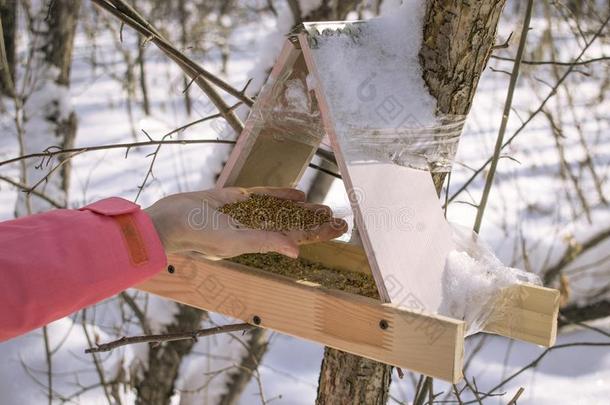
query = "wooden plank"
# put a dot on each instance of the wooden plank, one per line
(337, 255)
(268, 156)
(525, 312)
(248, 137)
(432, 345)
(528, 313)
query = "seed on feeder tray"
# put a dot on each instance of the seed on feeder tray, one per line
(302, 269)
(274, 214)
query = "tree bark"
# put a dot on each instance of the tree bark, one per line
(61, 21)
(457, 42)
(349, 379)
(8, 16)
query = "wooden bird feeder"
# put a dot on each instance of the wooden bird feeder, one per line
(405, 262)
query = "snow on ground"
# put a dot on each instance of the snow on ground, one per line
(524, 201)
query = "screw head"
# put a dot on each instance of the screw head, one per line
(171, 269)
(383, 324)
(256, 319)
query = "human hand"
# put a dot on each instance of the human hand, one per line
(191, 222)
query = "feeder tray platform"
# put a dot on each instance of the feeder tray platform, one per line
(406, 266)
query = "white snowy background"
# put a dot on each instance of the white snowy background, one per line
(526, 204)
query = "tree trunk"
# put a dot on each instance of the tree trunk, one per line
(157, 385)
(47, 114)
(457, 42)
(349, 379)
(8, 16)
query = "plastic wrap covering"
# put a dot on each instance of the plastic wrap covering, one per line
(476, 284)
(417, 147)
(294, 116)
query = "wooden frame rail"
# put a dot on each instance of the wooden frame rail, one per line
(429, 344)
(525, 312)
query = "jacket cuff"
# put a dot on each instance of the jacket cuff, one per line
(139, 234)
(112, 206)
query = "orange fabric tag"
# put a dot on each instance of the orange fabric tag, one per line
(133, 239)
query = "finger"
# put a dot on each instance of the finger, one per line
(327, 231)
(256, 241)
(285, 193)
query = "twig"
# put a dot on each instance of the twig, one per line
(122, 9)
(55, 150)
(37, 193)
(505, 44)
(549, 62)
(536, 112)
(98, 367)
(168, 337)
(516, 397)
(535, 363)
(129, 16)
(570, 255)
(148, 172)
(154, 155)
(50, 153)
(474, 390)
(493, 69)
(323, 170)
(131, 303)
(45, 178)
(565, 320)
(420, 395)
(457, 394)
(47, 350)
(4, 67)
(507, 108)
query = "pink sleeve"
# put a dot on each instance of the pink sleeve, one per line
(56, 263)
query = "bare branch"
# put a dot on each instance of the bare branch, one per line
(577, 314)
(55, 150)
(536, 361)
(516, 397)
(503, 124)
(570, 255)
(37, 193)
(556, 63)
(552, 93)
(169, 337)
(129, 16)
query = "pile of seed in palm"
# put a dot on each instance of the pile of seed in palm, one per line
(274, 214)
(301, 269)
